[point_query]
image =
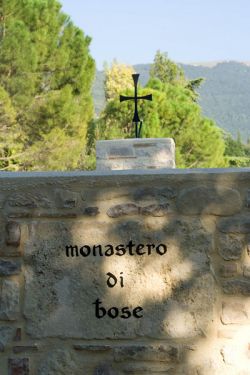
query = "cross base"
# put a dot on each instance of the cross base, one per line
(137, 153)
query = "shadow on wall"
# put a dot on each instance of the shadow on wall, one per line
(191, 296)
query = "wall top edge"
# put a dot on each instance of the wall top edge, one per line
(131, 172)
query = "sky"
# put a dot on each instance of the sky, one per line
(131, 31)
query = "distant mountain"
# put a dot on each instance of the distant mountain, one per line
(224, 95)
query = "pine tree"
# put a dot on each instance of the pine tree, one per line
(11, 136)
(166, 70)
(47, 71)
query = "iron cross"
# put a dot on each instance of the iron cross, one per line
(136, 118)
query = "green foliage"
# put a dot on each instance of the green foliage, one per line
(234, 147)
(117, 78)
(172, 113)
(52, 148)
(47, 72)
(193, 85)
(224, 95)
(237, 162)
(166, 70)
(11, 136)
(237, 154)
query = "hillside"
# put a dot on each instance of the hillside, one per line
(224, 96)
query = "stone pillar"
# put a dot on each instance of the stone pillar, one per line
(138, 153)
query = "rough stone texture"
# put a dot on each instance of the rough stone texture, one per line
(239, 224)
(126, 209)
(13, 234)
(234, 313)
(9, 300)
(47, 215)
(66, 198)
(18, 366)
(123, 209)
(228, 269)
(104, 369)
(157, 353)
(57, 362)
(149, 193)
(181, 292)
(9, 267)
(234, 354)
(237, 287)
(28, 201)
(91, 211)
(230, 247)
(205, 200)
(226, 333)
(18, 334)
(92, 348)
(246, 271)
(189, 315)
(149, 368)
(248, 199)
(71, 280)
(148, 153)
(24, 348)
(6, 335)
(156, 210)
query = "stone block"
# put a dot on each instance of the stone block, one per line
(28, 201)
(248, 199)
(24, 348)
(226, 333)
(150, 368)
(155, 210)
(9, 300)
(73, 284)
(2, 200)
(238, 225)
(186, 314)
(228, 269)
(66, 198)
(210, 201)
(9, 267)
(123, 154)
(60, 361)
(129, 209)
(234, 313)
(230, 247)
(234, 354)
(9, 251)
(18, 335)
(157, 353)
(92, 348)
(237, 286)
(6, 335)
(123, 209)
(91, 211)
(246, 271)
(13, 233)
(104, 369)
(151, 193)
(18, 366)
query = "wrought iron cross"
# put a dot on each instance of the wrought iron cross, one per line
(136, 118)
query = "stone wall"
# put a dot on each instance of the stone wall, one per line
(194, 298)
